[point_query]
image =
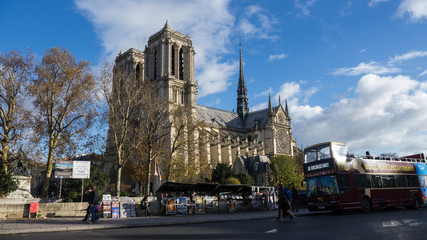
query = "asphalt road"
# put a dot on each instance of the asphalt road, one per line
(396, 224)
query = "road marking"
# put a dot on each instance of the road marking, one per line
(392, 223)
(272, 231)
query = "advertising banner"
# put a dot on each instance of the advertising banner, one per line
(170, 206)
(72, 169)
(124, 207)
(81, 169)
(64, 169)
(106, 205)
(132, 208)
(181, 205)
(422, 177)
(200, 205)
(115, 208)
(232, 206)
(209, 202)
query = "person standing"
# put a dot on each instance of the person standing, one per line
(88, 207)
(294, 200)
(144, 205)
(93, 203)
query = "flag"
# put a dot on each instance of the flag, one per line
(158, 171)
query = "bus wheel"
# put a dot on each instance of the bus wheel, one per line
(366, 205)
(415, 202)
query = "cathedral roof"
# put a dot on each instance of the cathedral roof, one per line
(231, 119)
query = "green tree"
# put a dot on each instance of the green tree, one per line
(232, 180)
(73, 187)
(7, 183)
(245, 178)
(285, 170)
(63, 98)
(15, 73)
(221, 173)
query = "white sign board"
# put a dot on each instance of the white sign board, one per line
(81, 169)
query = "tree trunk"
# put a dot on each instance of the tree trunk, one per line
(147, 189)
(48, 174)
(119, 177)
(4, 152)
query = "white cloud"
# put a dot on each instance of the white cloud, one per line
(288, 90)
(416, 9)
(407, 56)
(387, 112)
(304, 6)
(373, 3)
(123, 25)
(256, 22)
(366, 68)
(423, 73)
(277, 57)
(260, 106)
(265, 93)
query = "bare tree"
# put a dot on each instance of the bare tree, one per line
(181, 163)
(136, 116)
(63, 98)
(15, 72)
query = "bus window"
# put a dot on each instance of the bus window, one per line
(343, 182)
(324, 152)
(322, 186)
(376, 181)
(400, 181)
(310, 155)
(388, 181)
(339, 152)
(362, 181)
(412, 181)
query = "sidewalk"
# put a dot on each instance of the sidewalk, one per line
(8, 227)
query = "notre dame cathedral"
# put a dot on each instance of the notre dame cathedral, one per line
(241, 139)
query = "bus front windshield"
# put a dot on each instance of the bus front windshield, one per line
(322, 186)
(340, 152)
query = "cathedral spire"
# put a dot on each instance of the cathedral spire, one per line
(242, 83)
(286, 108)
(270, 109)
(167, 25)
(242, 92)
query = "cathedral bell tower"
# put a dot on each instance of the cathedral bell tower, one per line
(242, 92)
(169, 58)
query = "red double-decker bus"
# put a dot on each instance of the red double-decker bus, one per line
(337, 181)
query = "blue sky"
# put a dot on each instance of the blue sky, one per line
(351, 71)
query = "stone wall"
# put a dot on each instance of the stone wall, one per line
(19, 208)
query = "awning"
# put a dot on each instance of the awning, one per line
(211, 188)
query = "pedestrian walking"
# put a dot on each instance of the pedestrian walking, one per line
(294, 200)
(88, 207)
(94, 204)
(284, 204)
(144, 205)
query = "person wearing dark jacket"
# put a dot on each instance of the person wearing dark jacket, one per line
(294, 201)
(284, 205)
(93, 203)
(144, 205)
(88, 207)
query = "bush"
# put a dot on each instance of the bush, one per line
(232, 180)
(7, 183)
(245, 178)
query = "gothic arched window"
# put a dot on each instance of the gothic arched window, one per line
(138, 73)
(181, 64)
(155, 64)
(173, 61)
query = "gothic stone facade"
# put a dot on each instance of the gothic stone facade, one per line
(225, 136)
